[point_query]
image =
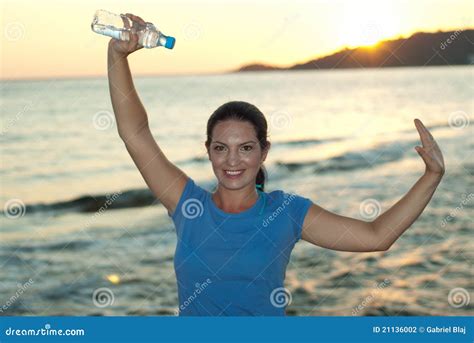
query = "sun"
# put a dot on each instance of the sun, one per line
(365, 23)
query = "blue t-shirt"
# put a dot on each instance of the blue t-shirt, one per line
(234, 264)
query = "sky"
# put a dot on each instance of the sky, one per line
(53, 39)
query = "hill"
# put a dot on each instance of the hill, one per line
(420, 49)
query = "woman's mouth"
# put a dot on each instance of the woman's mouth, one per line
(234, 174)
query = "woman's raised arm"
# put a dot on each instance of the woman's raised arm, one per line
(329, 230)
(129, 112)
(164, 179)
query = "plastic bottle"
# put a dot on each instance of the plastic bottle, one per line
(120, 26)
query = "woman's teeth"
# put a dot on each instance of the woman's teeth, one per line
(234, 172)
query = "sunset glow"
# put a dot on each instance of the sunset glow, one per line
(367, 22)
(211, 36)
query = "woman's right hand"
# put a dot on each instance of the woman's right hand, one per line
(125, 48)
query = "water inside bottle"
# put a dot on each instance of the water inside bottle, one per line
(108, 30)
(111, 31)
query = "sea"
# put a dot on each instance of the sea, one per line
(81, 234)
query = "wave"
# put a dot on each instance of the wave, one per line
(94, 203)
(75, 245)
(305, 142)
(349, 161)
(353, 160)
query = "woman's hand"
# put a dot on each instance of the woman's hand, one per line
(125, 48)
(430, 151)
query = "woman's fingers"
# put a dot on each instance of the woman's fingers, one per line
(425, 135)
(133, 43)
(428, 133)
(126, 23)
(140, 20)
(430, 151)
(136, 18)
(422, 152)
(420, 131)
(427, 158)
(136, 25)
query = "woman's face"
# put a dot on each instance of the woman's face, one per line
(235, 147)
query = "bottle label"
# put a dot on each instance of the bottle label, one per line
(110, 32)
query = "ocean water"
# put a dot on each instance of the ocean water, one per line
(343, 138)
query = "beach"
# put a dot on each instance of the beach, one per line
(78, 217)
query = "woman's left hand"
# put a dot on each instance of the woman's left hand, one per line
(430, 151)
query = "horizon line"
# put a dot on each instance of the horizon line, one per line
(104, 76)
(236, 70)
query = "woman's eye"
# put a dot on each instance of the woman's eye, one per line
(245, 148)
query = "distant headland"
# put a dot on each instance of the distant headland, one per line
(420, 49)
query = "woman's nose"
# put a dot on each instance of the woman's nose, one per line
(233, 158)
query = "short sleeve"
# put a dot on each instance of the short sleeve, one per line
(298, 208)
(191, 202)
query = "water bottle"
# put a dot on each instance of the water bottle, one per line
(120, 26)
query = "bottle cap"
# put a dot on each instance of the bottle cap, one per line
(169, 42)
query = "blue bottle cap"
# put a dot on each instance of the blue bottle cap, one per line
(170, 42)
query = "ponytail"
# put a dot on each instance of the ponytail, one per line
(261, 177)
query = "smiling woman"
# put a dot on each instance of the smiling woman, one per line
(237, 146)
(238, 240)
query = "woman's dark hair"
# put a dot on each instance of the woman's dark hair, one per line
(242, 111)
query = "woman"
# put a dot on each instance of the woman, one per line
(234, 244)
